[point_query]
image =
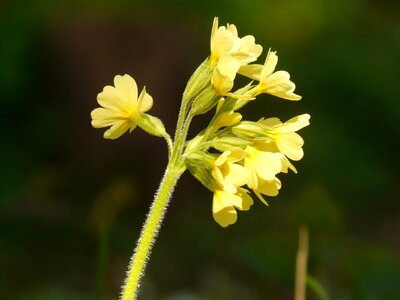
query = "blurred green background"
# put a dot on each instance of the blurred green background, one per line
(72, 204)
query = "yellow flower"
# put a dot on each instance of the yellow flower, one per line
(267, 187)
(229, 176)
(227, 173)
(262, 166)
(121, 107)
(225, 204)
(285, 137)
(275, 83)
(228, 54)
(224, 75)
(224, 118)
(222, 40)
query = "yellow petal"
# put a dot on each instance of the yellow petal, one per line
(224, 74)
(244, 201)
(270, 188)
(269, 66)
(286, 164)
(219, 105)
(145, 101)
(294, 124)
(283, 90)
(251, 71)
(235, 155)
(248, 45)
(275, 79)
(246, 50)
(218, 176)
(268, 146)
(271, 122)
(117, 130)
(237, 175)
(259, 196)
(278, 84)
(222, 41)
(127, 86)
(102, 117)
(223, 211)
(227, 119)
(112, 99)
(252, 180)
(222, 158)
(268, 165)
(232, 29)
(290, 144)
(213, 31)
(221, 83)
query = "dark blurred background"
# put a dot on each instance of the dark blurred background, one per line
(72, 204)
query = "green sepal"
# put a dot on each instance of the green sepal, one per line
(203, 175)
(226, 143)
(199, 164)
(152, 125)
(204, 101)
(199, 159)
(198, 81)
(250, 130)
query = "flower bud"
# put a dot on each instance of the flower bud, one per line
(198, 81)
(206, 100)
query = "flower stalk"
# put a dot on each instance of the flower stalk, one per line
(150, 232)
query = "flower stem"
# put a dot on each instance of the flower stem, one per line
(150, 231)
(301, 265)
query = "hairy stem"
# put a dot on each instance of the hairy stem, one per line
(150, 231)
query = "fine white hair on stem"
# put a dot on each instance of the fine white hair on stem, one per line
(154, 220)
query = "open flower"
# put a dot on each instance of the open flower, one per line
(222, 40)
(224, 75)
(285, 137)
(225, 118)
(121, 107)
(225, 205)
(261, 165)
(269, 187)
(228, 54)
(275, 83)
(227, 173)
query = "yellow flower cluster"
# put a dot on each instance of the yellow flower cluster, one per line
(231, 156)
(252, 154)
(231, 55)
(255, 165)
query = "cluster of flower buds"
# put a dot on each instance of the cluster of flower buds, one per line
(230, 157)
